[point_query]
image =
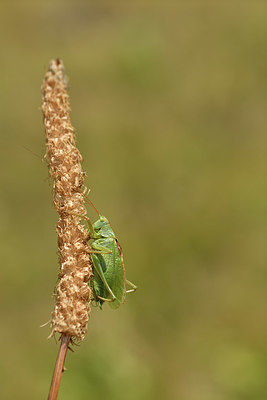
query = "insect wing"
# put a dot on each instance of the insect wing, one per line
(119, 280)
(123, 268)
(114, 272)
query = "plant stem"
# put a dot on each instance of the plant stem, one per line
(54, 388)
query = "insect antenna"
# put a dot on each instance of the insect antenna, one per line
(91, 203)
(30, 151)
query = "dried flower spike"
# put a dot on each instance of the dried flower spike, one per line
(70, 315)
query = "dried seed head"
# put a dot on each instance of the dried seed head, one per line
(70, 315)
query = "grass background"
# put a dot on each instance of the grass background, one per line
(169, 103)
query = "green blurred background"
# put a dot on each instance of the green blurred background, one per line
(169, 104)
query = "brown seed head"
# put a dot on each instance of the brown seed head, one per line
(70, 315)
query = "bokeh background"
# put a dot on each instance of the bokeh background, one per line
(169, 104)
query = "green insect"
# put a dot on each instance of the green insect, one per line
(109, 281)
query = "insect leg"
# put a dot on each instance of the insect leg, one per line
(98, 252)
(98, 269)
(90, 226)
(134, 287)
(98, 248)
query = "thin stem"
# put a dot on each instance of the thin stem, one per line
(54, 388)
